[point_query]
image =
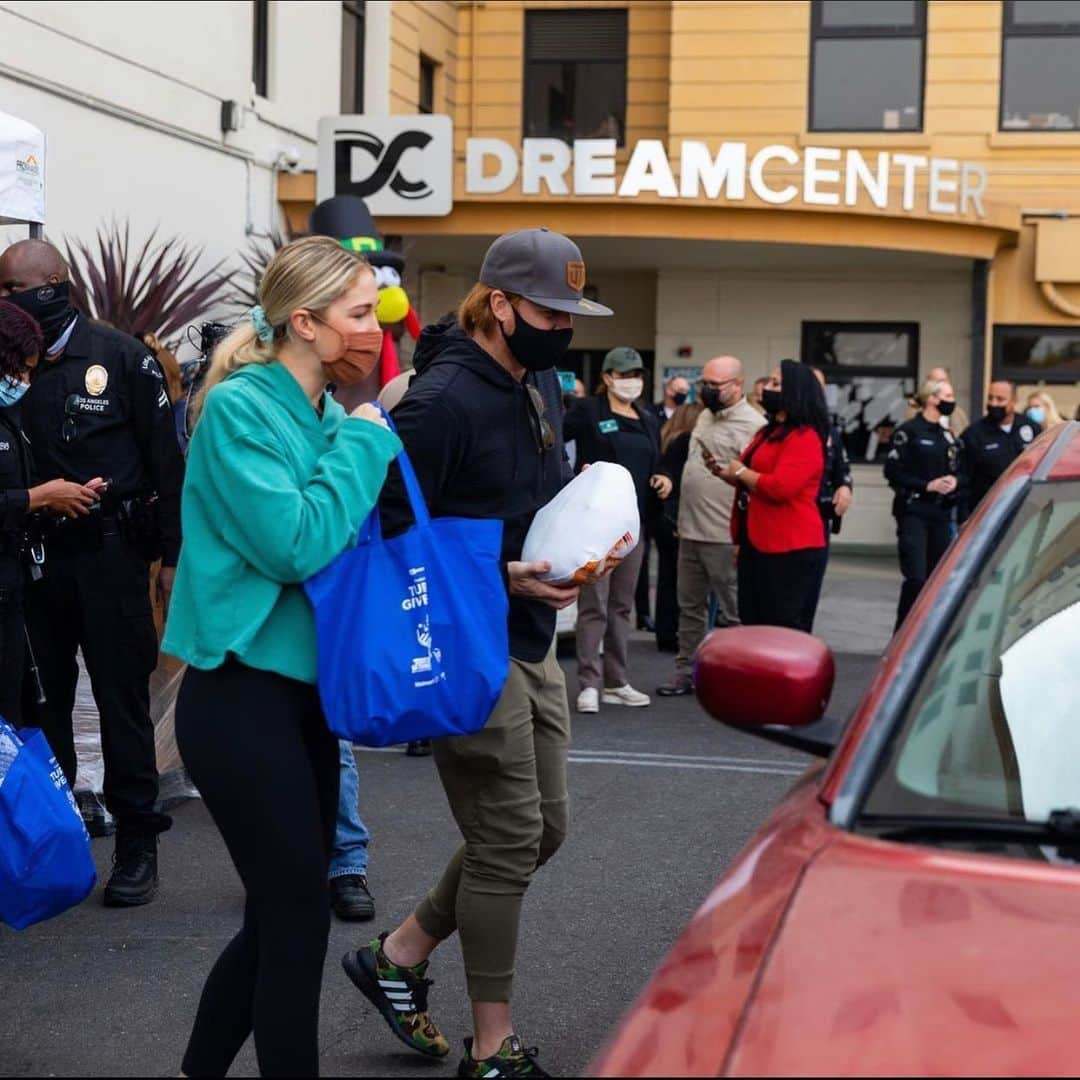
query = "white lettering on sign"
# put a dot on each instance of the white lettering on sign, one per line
(830, 176)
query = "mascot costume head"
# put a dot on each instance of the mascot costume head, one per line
(347, 219)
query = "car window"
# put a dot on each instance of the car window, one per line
(994, 727)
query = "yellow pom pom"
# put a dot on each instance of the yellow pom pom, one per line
(393, 305)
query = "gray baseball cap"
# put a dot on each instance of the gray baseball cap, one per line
(544, 267)
(623, 358)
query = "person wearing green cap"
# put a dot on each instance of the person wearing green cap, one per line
(615, 425)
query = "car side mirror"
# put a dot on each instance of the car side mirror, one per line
(770, 681)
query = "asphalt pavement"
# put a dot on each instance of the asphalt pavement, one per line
(663, 799)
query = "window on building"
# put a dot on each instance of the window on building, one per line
(871, 370)
(1040, 66)
(1029, 354)
(427, 85)
(260, 40)
(866, 65)
(352, 56)
(575, 74)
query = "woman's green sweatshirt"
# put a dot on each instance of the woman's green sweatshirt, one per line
(273, 494)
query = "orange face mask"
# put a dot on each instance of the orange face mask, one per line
(359, 355)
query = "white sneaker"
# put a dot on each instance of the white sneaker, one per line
(588, 701)
(626, 695)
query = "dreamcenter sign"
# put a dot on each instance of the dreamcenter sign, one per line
(403, 166)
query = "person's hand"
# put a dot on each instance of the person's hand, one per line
(711, 463)
(63, 497)
(165, 582)
(525, 581)
(661, 485)
(370, 413)
(943, 485)
(728, 471)
(841, 500)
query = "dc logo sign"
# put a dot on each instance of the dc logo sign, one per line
(401, 166)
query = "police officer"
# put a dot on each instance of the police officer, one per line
(995, 441)
(21, 551)
(923, 468)
(97, 407)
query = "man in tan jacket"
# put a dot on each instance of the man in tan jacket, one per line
(706, 553)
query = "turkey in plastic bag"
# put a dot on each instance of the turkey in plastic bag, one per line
(588, 528)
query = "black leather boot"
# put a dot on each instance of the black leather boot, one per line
(350, 898)
(134, 879)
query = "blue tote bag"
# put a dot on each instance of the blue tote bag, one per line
(45, 861)
(412, 632)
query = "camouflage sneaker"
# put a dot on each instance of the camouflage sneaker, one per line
(511, 1060)
(400, 994)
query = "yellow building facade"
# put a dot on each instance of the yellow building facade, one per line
(878, 187)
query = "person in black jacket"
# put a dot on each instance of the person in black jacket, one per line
(615, 426)
(480, 422)
(923, 469)
(21, 552)
(994, 441)
(98, 408)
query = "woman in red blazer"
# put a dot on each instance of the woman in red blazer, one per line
(777, 523)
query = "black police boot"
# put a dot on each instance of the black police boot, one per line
(350, 898)
(134, 879)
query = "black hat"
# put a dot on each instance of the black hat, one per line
(348, 220)
(544, 267)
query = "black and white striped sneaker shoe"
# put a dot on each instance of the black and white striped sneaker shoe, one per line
(511, 1060)
(400, 994)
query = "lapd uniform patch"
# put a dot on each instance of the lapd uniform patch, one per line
(149, 366)
(97, 378)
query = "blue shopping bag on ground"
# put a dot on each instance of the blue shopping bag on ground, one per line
(45, 861)
(412, 632)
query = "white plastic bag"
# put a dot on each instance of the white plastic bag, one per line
(588, 528)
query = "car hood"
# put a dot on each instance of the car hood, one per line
(904, 960)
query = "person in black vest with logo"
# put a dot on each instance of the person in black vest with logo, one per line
(995, 441)
(616, 426)
(97, 408)
(923, 469)
(21, 552)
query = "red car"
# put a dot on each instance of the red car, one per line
(913, 906)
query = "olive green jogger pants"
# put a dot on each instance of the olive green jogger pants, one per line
(507, 790)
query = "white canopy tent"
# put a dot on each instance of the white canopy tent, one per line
(22, 174)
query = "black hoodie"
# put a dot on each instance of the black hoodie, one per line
(475, 439)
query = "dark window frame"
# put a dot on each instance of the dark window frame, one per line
(530, 15)
(1010, 28)
(356, 9)
(820, 32)
(432, 66)
(866, 371)
(260, 47)
(1031, 376)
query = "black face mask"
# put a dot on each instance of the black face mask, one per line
(995, 413)
(946, 408)
(772, 401)
(535, 349)
(710, 398)
(679, 399)
(49, 305)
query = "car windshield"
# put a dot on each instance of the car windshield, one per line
(993, 730)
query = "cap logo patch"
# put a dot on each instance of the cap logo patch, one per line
(97, 378)
(575, 275)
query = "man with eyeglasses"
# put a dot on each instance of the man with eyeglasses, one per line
(97, 408)
(706, 555)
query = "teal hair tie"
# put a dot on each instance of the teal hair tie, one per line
(263, 330)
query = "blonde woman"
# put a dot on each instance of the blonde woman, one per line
(1042, 408)
(279, 480)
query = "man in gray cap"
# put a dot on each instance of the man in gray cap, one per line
(481, 423)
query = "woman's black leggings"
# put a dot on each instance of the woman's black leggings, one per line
(258, 749)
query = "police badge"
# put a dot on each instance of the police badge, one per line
(97, 379)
